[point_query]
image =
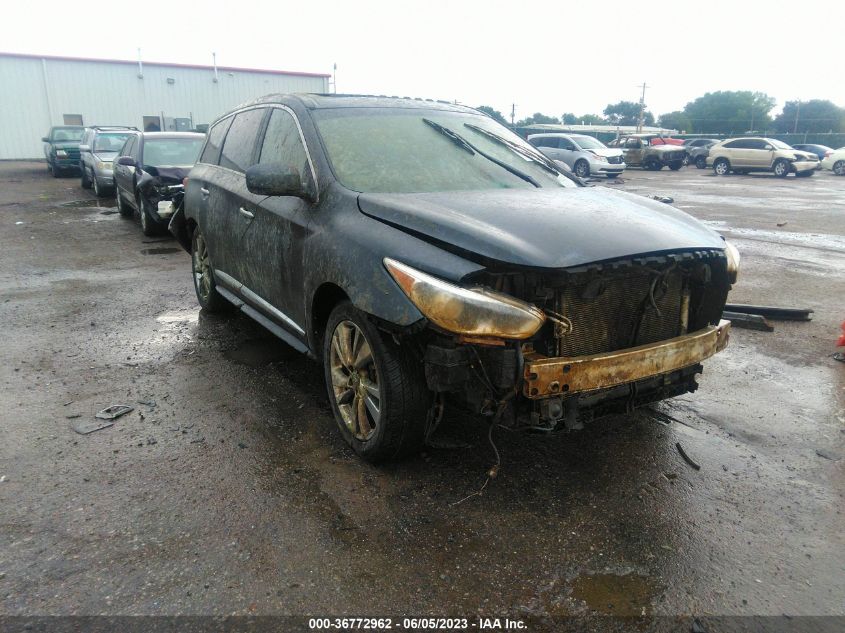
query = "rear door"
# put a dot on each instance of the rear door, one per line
(123, 174)
(633, 150)
(273, 238)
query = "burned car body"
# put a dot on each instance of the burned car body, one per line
(640, 152)
(425, 254)
(148, 173)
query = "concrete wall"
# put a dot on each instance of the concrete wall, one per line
(36, 92)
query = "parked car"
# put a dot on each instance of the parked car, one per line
(99, 147)
(658, 139)
(420, 249)
(639, 153)
(148, 167)
(584, 154)
(835, 162)
(822, 151)
(61, 148)
(697, 150)
(744, 155)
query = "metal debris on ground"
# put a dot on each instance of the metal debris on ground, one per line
(664, 199)
(73, 416)
(772, 312)
(113, 412)
(840, 356)
(748, 321)
(686, 457)
(828, 455)
(84, 427)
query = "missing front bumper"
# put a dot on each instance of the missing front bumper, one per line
(547, 377)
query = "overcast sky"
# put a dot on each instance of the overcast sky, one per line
(552, 57)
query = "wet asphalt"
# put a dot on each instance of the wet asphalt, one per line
(227, 489)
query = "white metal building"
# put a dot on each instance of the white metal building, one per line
(37, 92)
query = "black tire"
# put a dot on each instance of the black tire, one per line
(99, 190)
(839, 168)
(149, 226)
(653, 164)
(57, 173)
(721, 167)
(701, 162)
(124, 210)
(582, 168)
(397, 374)
(804, 174)
(84, 181)
(675, 166)
(781, 168)
(202, 273)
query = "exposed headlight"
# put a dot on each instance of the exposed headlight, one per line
(61, 153)
(733, 261)
(471, 312)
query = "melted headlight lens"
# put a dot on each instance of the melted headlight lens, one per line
(732, 254)
(471, 312)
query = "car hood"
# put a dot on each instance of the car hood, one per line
(605, 151)
(65, 144)
(541, 228)
(105, 156)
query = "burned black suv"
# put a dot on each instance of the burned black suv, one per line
(426, 255)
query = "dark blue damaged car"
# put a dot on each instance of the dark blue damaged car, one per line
(429, 257)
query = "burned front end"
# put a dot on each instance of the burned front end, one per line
(608, 337)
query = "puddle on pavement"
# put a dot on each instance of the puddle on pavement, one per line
(105, 203)
(261, 352)
(160, 251)
(812, 240)
(610, 594)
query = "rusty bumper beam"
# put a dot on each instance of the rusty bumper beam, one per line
(545, 377)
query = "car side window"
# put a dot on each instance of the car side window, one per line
(633, 143)
(566, 144)
(130, 145)
(733, 145)
(757, 144)
(282, 143)
(136, 149)
(211, 153)
(239, 146)
(545, 141)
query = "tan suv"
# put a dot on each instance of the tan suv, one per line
(743, 155)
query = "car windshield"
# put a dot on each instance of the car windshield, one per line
(779, 144)
(405, 150)
(171, 152)
(68, 134)
(110, 142)
(588, 142)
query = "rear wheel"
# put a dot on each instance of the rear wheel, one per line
(676, 165)
(582, 168)
(653, 164)
(781, 168)
(701, 162)
(721, 167)
(376, 387)
(839, 168)
(686, 160)
(203, 274)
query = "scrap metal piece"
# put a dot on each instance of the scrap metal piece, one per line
(84, 427)
(113, 412)
(749, 321)
(772, 312)
(546, 377)
(686, 457)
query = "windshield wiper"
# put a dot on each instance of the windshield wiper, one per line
(461, 142)
(538, 158)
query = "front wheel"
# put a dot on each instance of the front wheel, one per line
(122, 208)
(203, 274)
(721, 167)
(376, 387)
(84, 181)
(804, 174)
(652, 164)
(582, 168)
(676, 165)
(701, 162)
(148, 225)
(781, 168)
(839, 168)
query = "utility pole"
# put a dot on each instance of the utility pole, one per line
(797, 110)
(334, 78)
(642, 109)
(513, 113)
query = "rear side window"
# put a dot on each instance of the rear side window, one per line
(211, 153)
(129, 146)
(735, 145)
(282, 143)
(545, 141)
(239, 146)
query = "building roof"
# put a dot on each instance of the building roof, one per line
(163, 64)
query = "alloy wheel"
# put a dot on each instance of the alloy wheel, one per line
(202, 268)
(355, 383)
(839, 168)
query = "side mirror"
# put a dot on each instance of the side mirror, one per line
(46, 139)
(84, 148)
(768, 148)
(276, 179)
(126, 161)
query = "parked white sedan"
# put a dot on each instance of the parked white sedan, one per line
(835, 161)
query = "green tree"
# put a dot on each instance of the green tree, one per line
(730, 112)
(537, 117)
(676, 120)
(569, 119)
(816, 115)
(493, 113)
(591, 119)
(626, 113)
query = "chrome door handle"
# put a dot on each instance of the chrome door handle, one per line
(245, 213)
(204, 191)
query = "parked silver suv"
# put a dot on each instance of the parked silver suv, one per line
(98, 148)
(585, 155)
